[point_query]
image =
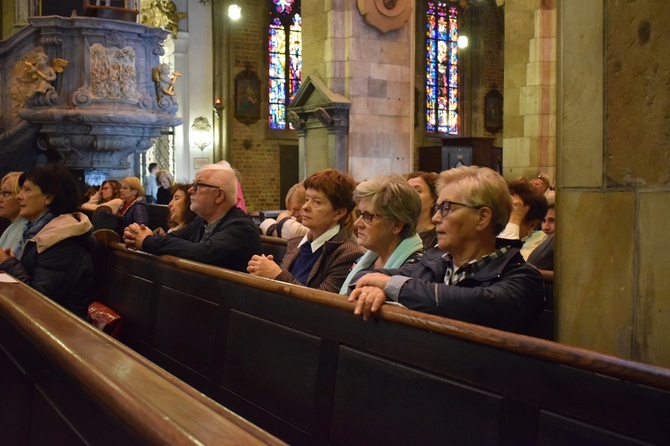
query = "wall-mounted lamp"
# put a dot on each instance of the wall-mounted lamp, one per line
(463, 41)
(201, 131)
(234, 12)
(218, 106)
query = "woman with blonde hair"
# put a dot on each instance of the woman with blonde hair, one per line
(134, 208)
(164, 180)
(9, 209)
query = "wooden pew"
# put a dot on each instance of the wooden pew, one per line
(298, 363)
(62, 382)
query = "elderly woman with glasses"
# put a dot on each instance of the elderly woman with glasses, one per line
(322, 258)
(471, 275)
(388, 211)
(9, 209)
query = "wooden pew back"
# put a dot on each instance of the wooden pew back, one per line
(62, 382)
(296, 362)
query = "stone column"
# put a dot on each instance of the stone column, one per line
(529, 142)
(612, 271)
(374, 71)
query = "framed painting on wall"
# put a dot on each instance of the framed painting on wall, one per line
(247, 97)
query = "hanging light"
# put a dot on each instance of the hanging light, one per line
(463, 41)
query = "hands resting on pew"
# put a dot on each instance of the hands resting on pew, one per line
(134, 235)
(263, 266)
(369, 294)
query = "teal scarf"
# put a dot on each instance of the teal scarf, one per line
(405, 249)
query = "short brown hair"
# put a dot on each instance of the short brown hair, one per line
(337, 186)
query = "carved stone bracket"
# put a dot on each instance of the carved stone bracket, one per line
(385, 15)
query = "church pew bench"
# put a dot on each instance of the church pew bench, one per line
(62, 382)
(298, 363)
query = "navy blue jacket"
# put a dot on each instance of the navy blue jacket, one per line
(231, 245)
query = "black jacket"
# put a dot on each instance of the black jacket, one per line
(232, 243)
(63, 271)
(507, 293)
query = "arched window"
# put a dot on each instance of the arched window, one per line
(284, 58)
(442, 113)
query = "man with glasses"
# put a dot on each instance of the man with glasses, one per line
(221, 235)
(471, 275)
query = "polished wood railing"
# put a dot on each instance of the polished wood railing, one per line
(64, 382)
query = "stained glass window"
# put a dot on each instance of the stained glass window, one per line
(442, 67)
(284, 58)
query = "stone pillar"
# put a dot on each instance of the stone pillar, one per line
(612, 272)
(529, 142)
(374, 71)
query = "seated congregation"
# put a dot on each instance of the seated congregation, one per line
(451, 244)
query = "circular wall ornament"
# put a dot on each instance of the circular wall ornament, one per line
(388, 7)
(385, 15)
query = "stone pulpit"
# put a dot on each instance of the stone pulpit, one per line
(85, 90)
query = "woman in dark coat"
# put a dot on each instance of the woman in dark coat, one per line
(134, 208)
(55, 255)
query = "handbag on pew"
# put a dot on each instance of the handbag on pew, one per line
(105, 319)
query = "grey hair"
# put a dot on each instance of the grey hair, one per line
(394, 198)
(225, 179)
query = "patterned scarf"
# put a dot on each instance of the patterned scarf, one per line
(31, 230)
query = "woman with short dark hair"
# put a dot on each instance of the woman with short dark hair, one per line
(322, 258)
(55, 256)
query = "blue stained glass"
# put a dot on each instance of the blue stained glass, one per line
(442, 67)
(284, 59)
(283, 6)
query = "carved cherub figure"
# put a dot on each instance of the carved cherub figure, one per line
(43, 73)
(165, 80)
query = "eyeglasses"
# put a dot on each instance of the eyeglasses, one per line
(5, 194)
(196, 184)
(368, 217)
(444, 208)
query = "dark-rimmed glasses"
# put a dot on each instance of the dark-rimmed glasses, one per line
(368, 217)
(196, 184)
(445, 207)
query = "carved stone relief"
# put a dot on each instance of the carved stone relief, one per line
(113, 73)
(385, 15)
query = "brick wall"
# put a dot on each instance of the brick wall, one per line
(258, 165)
